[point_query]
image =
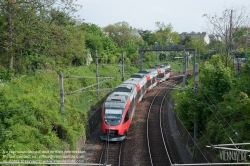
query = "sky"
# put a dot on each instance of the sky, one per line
(184, 15)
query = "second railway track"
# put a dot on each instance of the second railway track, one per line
(158, 151)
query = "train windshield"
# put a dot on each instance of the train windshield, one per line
(113, 116)
(113, 113)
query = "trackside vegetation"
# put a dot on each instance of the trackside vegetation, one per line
(219, 108)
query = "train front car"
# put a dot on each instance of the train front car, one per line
(116, 113)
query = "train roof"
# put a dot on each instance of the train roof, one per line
(160, 66)
(125, 88)
(117, 97)
(153, 70)
(132, 81)
(138, 75)
(166, 64)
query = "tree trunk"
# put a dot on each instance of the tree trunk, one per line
(10, 37)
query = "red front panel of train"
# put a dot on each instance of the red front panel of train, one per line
(119, 129)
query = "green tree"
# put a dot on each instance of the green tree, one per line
(97, 40)
(232, 112)
(35, 35)
(121, 33)
(131, 51)
(216, 46)
(215, 78)
(148, 38)
(215, 82)
(164, 35)
(198, 44)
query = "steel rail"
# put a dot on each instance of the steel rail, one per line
(106, 153)
(149, 110)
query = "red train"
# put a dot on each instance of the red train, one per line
(119, 107)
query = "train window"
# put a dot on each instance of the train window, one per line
(143, 89)
(148, 84)
(126, 118)
(153, 80)
(113, 113)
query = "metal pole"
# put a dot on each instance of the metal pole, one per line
(195, 72)
(141, 60)
(246, 47)
(156, 45)
(196, 79)
(61, 91)
(122, 66)
(184, 68)
(195, 91)
(194, 64)
(238, 65)
(156, 58)
(97, 78)
(230, 35)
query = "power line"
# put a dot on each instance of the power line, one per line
(105, 89)
(217, 119)
(79, 90)
(235, 132)
(72, 76)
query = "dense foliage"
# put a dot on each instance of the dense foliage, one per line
(220, 107)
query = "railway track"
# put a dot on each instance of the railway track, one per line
(158, 152)
(111, 153)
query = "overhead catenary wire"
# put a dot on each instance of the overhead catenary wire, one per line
(222, 128)
(218, 120)
(72, 76)
(235, 132)
(221, 115)
(231, 144)
(79, 90)
(104, 89)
